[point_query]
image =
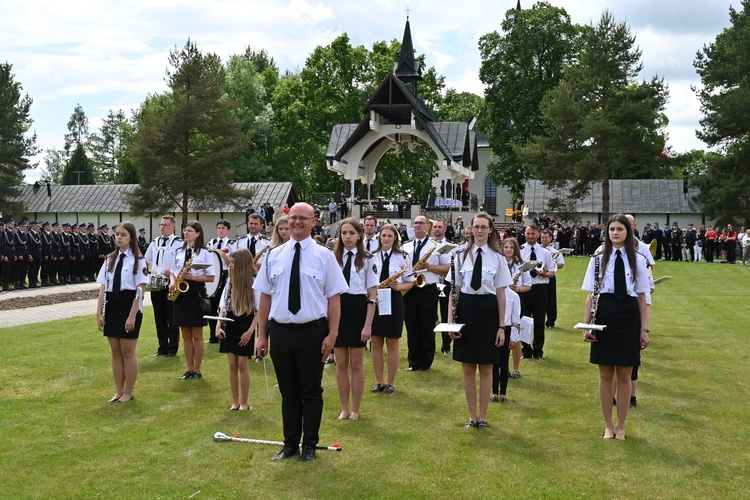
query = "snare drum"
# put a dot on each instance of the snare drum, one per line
(157, 282)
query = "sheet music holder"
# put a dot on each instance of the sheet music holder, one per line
(449, 327)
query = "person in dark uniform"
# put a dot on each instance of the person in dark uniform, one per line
(104, 242)
(389, 259)
(142, 243)
(300, 286)
(46, 263)
(65, 255)
(480, 279)
(236, 337)
(676, 240)
(659, 237)
(57, 255)
(2, 246)
(593, 237)
(8, 255)
(187, 312)
(22, 255)
(34, 239)
(119, 310)
(93, 265)
(622, 278)
(159, 257)
(83, 253)
(74, 269)
(357, 313)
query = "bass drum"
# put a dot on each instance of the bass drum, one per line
(213, 287)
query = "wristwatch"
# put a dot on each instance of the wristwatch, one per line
(646, 330)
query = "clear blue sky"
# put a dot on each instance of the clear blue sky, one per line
(111, 54)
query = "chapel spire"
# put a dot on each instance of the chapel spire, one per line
(407, 68)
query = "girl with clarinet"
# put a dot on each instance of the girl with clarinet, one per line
(119, 308)
(236, 337)
(617, 282)
(481, 277)
(357, 313)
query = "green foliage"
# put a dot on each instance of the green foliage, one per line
(78, 129)
(410, 444)
(54, 165)
(460, 107)
(519, 66)
(109, 148)
(16, 146)
(78, 170)
(187, 138)
(600, 124)
(724, 66)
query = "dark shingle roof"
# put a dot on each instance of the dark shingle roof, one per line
(636, 196)
(110, 197)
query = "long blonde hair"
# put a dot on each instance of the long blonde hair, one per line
(276, 236)
(241, 299)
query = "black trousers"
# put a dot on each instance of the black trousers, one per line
(420, 315)
(551, 302)
(33, 271)
(295, 352)
(7, 273)
(443, 303)
(535, 305)
(167, 334)
(19, 271)
(501, 370)
(731, 251)
(708, 250)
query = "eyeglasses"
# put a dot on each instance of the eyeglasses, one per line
(419, 223)
(480, 228)
(300, 218)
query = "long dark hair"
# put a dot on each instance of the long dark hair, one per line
(629, 244)
(359, 260)
(130, 228)
(200, 241)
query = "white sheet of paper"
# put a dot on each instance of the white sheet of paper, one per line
(527, 329)
(585, 326)
(449, 327)
(384, 301)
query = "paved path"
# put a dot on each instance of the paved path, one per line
(42, 314)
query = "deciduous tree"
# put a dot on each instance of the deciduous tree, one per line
(78, 169)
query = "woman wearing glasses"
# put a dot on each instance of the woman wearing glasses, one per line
(481, 276)
(187, 311)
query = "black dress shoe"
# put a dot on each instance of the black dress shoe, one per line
(286, 452)
(171, 354)
(308, 454)
(412, 369)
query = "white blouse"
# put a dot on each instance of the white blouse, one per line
(128, 280)
(513, 313)
(359, 281)
(495, 272)
(396, 263)
(524, 280)
(635, 285)
(204, 257)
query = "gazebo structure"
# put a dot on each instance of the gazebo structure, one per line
(396, 117)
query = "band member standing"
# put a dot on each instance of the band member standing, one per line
(159, 257)
(60, 252)
(622, 307)
(187, 311)
(74, 264)
(35, 254)
(559, 263)
(22, 255)
(300, 306)
(421, 304)
(521, 285)
(387, 329)
(9, 255)
(104, 242)
(236, 337)
(438, 233)
(46, 263)
(480, 280)
(223, 247)
(119, 308)
(534, 302)
(370, 225)
(142, 242)
(254, 242)
(357, 313)
(91, 267)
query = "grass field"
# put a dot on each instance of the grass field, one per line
(688, 437)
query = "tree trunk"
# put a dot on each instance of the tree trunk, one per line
(605, 198)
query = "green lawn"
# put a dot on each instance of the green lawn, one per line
(687, 438)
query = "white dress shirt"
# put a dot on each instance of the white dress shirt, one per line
(543, 255)
(160, 253)
(607, 283)
(225, 243)
(395, 264)
(513, 314)
(128, 280)
(495, 272)
(359, 280)
(430, 277)
(320, 279)
(204, 257)
(524, 280)
(260, 242)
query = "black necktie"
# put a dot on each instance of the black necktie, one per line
(188, 254)
(252, 246)
(116, 282)
(348, 266)
(533, 257)
(476, 274)
(218, 247)
(162, 241)
(385, 270)
(621, 290)
(417, 251)
(368, 244)
(294, 288)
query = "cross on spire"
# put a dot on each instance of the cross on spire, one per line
(408, 10)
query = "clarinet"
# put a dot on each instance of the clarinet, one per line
(595, 293)
(454, 293)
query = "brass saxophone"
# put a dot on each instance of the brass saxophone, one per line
(386, 283)
(180, 283)
(420, 280)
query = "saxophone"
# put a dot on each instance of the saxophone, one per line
(180, 283)
(386, 283)
(420, 280)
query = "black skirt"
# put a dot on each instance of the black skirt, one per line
(480, 316)
(187, 307)
(234, 330)
(619, 343)
(353, 314)
(116, 314)
(390, 326)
